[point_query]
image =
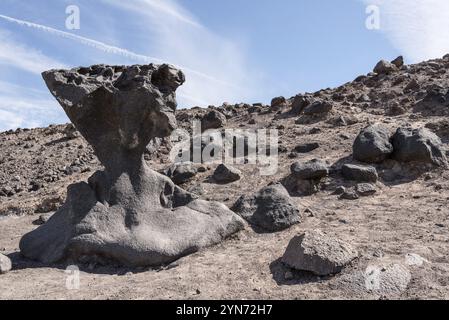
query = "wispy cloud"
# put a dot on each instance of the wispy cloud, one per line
(175, 38)
(103, 46)
(417, 28)
(23, 57)
(168, 7)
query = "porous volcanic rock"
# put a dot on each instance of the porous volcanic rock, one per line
(271, 209)
(372, 145)
(127, 214)
(319, 253)
(361, 173)
(419, 145)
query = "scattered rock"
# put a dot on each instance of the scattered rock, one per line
(359, 173)
(213, 120)
(300, 102)
(340, 190)
(398, 62)
(5, 264)
(319, 253)
(226, 174)
(349, 195)
(382, 278)
(310, 170)
(420, 145)
(365, 189)
(271, 209)
(278, 102)
(372, 145)
(318, 107)
(385, 67)
(181, 173)
(307, 147)
(50, 205)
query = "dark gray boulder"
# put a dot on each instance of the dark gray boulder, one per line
(278, 102)
(126, 214)
(213, 120)
(307, 147)
(318, 107)
(318, 252)
(226, 174)
(398, 62)
(181, 173)
(271, 209)
(310, 170)
(299, 103)
(361, 173)
(5, 264)
(419, 145)
(372, 145)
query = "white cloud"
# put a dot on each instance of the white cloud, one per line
(27, 107)
(172, 35)
(23, 57)
(417, 28)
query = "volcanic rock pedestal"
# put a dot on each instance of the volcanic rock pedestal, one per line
(126, 214)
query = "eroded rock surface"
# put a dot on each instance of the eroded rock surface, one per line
(126, 213)
(271, 209)
(319, 253)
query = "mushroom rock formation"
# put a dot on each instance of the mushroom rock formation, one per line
(126, 214)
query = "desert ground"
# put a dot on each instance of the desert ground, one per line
(401, 229)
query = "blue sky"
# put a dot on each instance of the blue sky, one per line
(233, 50)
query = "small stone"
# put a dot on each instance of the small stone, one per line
(398, 62)
(226, 174)
(340, 190)
(349, 195)
(359, 173)
(307, 147)
(5, 264)
(366, 189)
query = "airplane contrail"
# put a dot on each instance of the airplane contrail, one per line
(105, 47)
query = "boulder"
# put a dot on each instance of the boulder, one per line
(278, 102)
(366, 189)
(372, 145)
(385, 67)
(310, 170)
(226, 174)
(213, 120)
(127, 214)
(307, 147)
(271, 209)
(318, 252)
(181, 173)
(398, 62)
(5, 264)
(318, 107)
(299, 103)
(419, 145)
(359, 173)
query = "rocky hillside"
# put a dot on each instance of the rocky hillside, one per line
(362, 164)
